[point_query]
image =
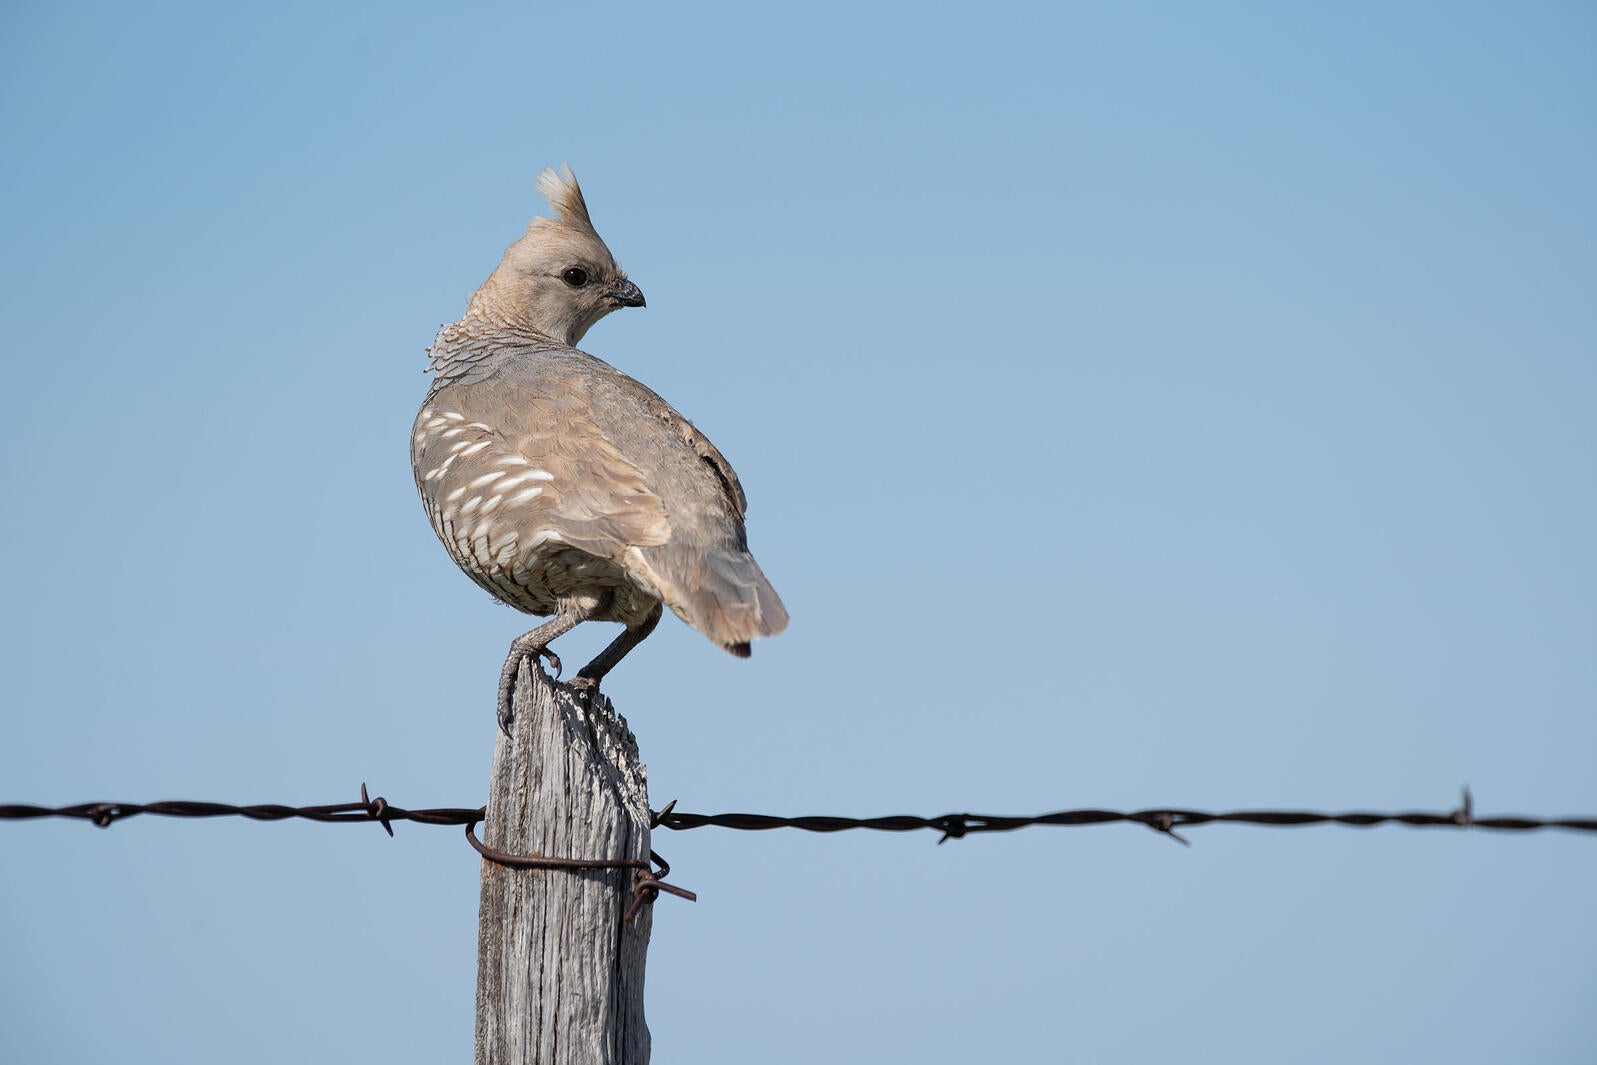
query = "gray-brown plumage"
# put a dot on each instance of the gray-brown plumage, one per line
(563, 486)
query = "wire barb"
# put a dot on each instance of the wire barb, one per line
(377, 809)
(655, 818)
(1164, 822)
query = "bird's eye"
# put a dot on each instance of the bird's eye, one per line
(576, 277)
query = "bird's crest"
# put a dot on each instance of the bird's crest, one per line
(560, 188)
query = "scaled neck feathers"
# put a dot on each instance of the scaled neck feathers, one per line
(470, 348)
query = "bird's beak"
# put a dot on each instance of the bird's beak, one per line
(625, 294)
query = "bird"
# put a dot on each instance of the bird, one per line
(561, 485)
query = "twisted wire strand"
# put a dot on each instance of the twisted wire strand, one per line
(951, 825)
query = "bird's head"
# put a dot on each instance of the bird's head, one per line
(559, 278)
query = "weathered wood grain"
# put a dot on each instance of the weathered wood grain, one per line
(559, 974)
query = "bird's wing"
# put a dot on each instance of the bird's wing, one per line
(548, 469)
(711, 455)
(705, 574)
(685, 431)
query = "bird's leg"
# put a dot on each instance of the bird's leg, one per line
(535, 644)
(592, 673)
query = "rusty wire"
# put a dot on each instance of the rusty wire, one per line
(647, 881)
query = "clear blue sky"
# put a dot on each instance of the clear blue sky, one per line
(1139, 405)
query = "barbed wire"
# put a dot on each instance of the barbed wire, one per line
(1165, 820)
(367, 810)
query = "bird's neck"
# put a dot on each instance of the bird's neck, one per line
(494, 310)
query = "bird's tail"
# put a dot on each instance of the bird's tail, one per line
(722, 592)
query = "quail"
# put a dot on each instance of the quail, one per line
(561, 485)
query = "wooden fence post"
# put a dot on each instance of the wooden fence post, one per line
(559, 973)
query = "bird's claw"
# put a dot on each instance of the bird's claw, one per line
(550, 657)
(507, 680)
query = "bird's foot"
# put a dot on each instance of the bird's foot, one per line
(507, 679)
